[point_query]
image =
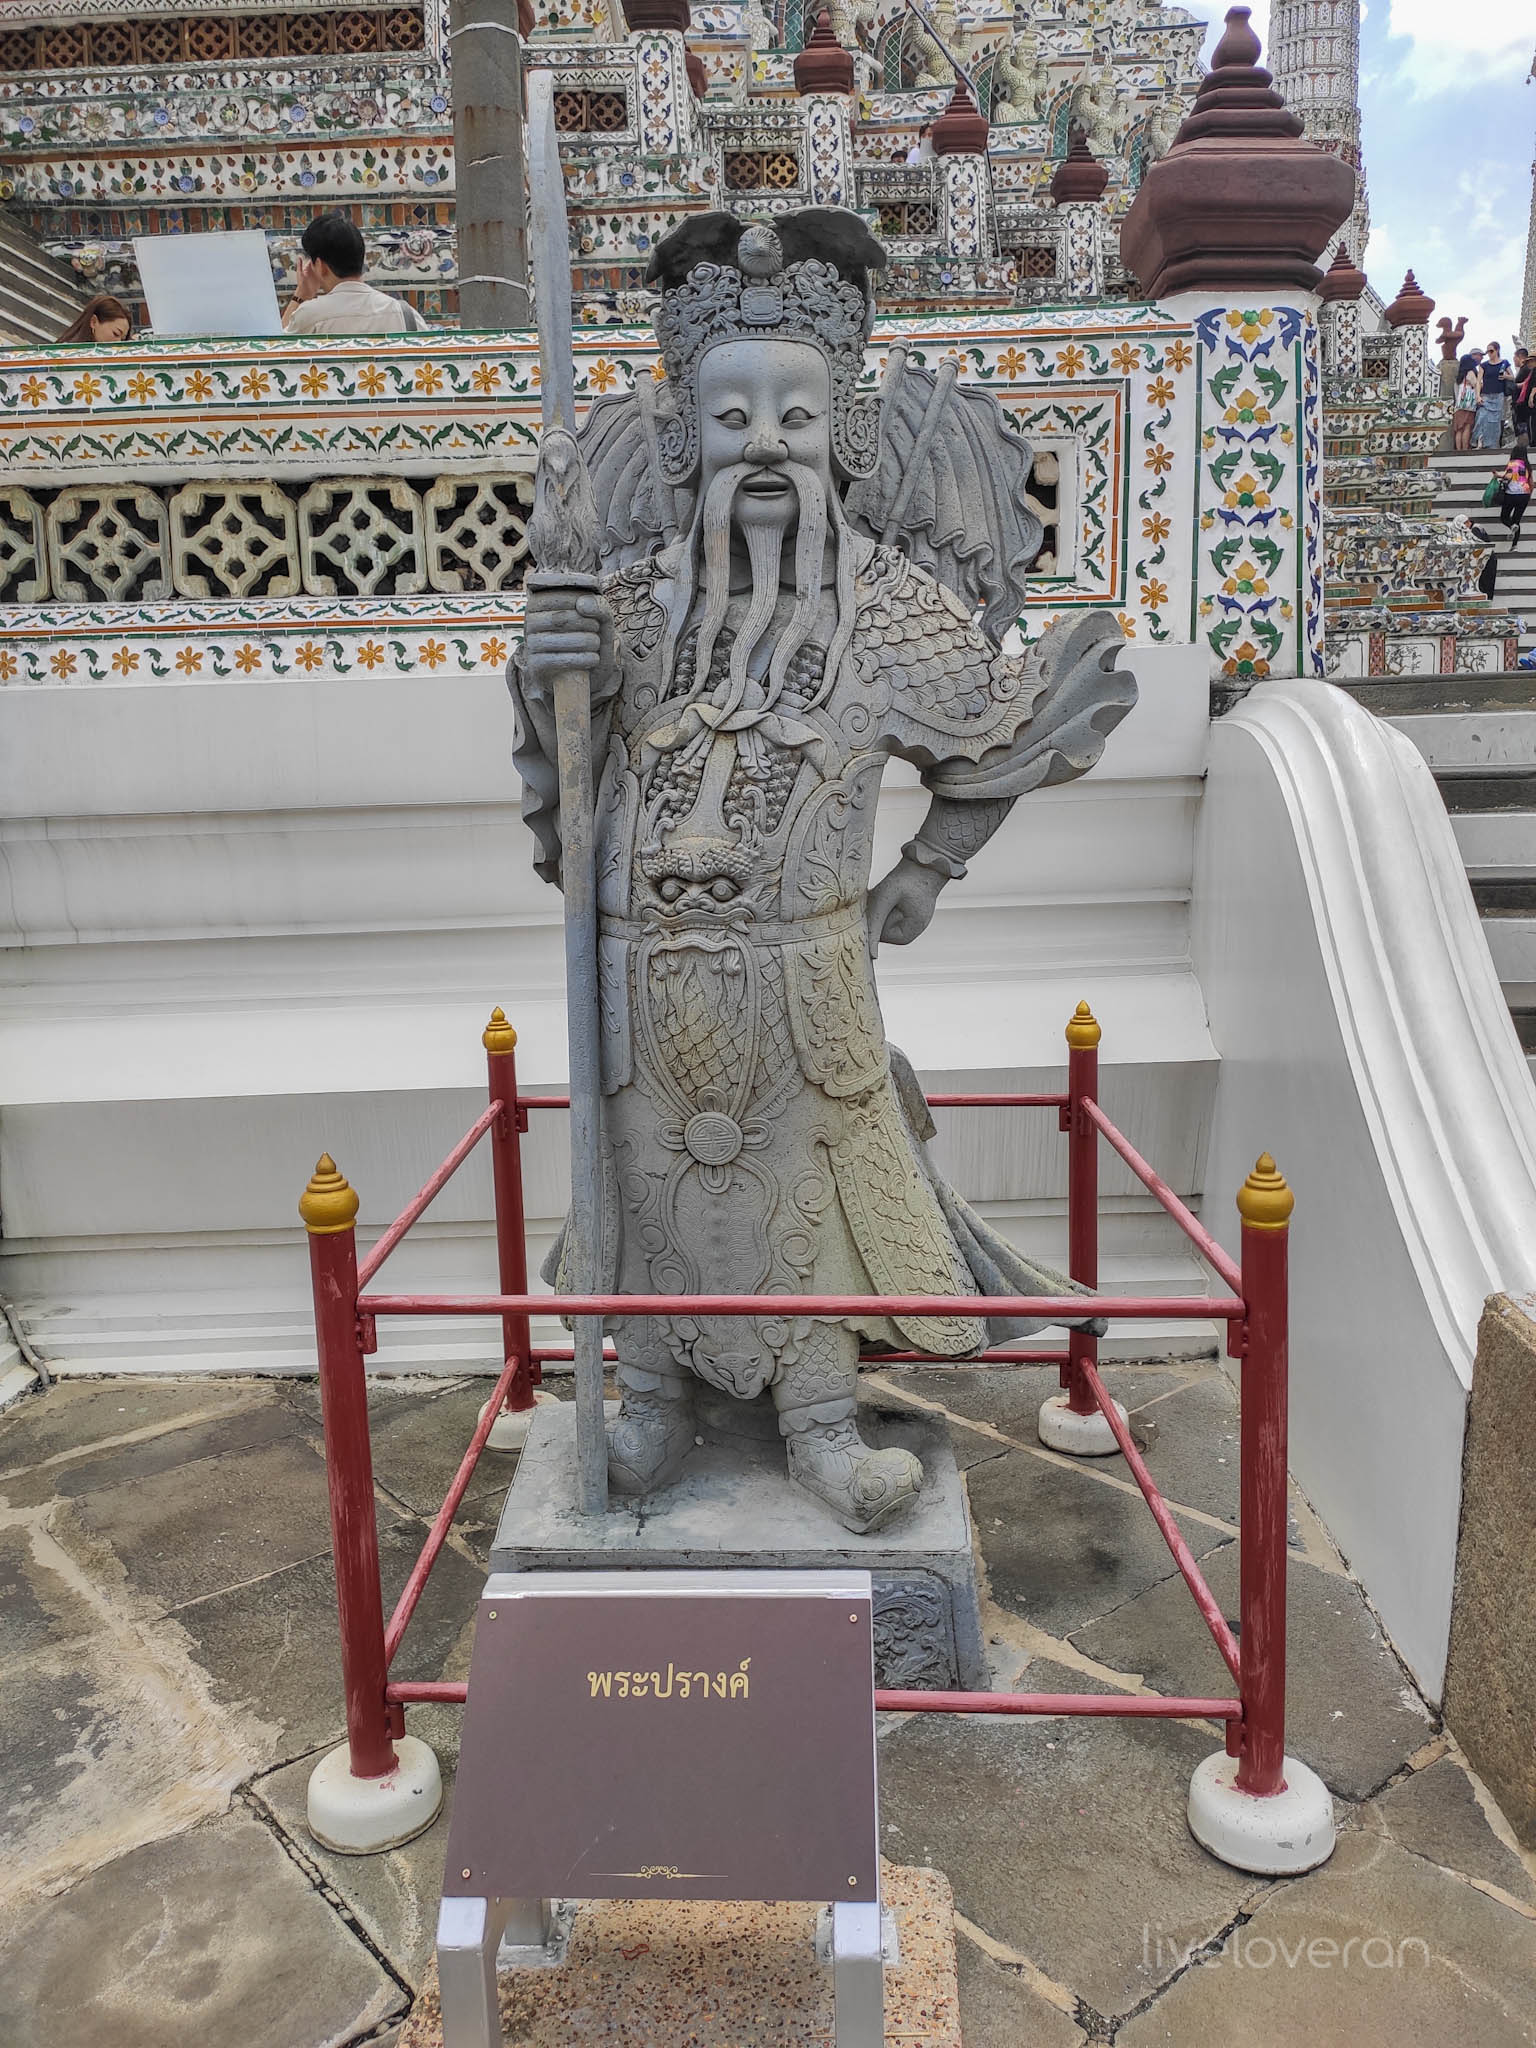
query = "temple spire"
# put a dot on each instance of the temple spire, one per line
(1314, 55)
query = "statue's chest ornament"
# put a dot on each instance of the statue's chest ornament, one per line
(699, 1017)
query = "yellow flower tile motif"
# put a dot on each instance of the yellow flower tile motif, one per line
(1154, 594)
(199, 386)
(485, 378)
(1156, 528)
(7, 666)
(309, 656)
(88, 388)
(433, 653)
(370, 654)
(1158, 459)
(493, 652)
(256, 384)
(190, 661)
(371, 380)
(315, 382)
(125, 661)
(1160, 392)
(1071, 361)
(140, 388)
(34, 391)
(428, 379)
(247, 658)
(63, 663)
(1178, 355)
(1125, 359)
(1127, 625)
(603, 375)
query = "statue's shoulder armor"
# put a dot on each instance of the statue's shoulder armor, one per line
(918, 651)
(631, 595)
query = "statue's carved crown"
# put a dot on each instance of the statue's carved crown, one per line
(805, 277)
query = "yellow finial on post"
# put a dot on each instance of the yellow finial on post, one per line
(498, 1035)
(1265, 1201)
(329, 1204)
(1083, 1032)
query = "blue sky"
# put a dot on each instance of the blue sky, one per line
(1449, 133)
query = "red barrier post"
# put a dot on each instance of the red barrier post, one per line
(329, 1209)
(500, 1042)
(1083, 1035)
(1265, 1203)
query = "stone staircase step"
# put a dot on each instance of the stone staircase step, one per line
(1501, 690)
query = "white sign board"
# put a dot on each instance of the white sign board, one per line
(208, 284)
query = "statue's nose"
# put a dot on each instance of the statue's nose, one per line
(765, 448)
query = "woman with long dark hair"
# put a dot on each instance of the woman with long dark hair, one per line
(1516, 495)
(1466, 401)
(102, 319)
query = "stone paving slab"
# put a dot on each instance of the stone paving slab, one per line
(74, 1415)
(212, 1937)
(1062, 1838)
(35, 1466)
(999, 2008)
(1435, 1814)
(216, 1522)
(419, 1434)
(274, 1647)
(1376, 1950)
(1009, 1396)
(1062, 1548)
(394, 1897)
(1352, 1712)
(39, 1603)
(104, 1746)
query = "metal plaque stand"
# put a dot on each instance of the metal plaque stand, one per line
(759, 1784)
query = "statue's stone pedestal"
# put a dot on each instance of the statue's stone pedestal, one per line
(734, 1509)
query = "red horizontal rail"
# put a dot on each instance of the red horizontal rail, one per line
(1137, 1705)
(1101, 1705)
(1155, 1185)
(415, 1585)
(934, 1101)
(565, 1354)
(1173, 1536)
(427, 1195)
(1046, 1308)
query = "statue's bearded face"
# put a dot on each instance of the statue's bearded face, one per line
(766, 405)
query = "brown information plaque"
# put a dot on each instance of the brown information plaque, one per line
(691, 1735)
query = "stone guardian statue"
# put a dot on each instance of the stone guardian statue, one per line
(802, 582)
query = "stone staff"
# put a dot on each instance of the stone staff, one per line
(562, 539)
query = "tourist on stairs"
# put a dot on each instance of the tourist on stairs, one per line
(1515, 480)
(1494, 380)
(1467, 396)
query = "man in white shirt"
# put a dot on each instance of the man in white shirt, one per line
(331, 297)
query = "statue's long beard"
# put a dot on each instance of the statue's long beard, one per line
(707, 557)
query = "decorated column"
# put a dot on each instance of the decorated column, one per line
(1408, 317)
(965, 184)
(1229, 226)
(1341, 290)
(1076, 191)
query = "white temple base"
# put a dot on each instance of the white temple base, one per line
(1079, 1436)
(1290, 1831)
(362, 1816)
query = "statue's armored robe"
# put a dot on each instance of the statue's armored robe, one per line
(760, 1136)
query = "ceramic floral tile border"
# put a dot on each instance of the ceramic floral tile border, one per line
(1123, 392)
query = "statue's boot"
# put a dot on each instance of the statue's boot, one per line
(652, 1433)
(864, 1488)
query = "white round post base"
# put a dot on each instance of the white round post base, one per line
(362, 1816)
(1290, 1831)
(1080, 1436)
(509, 1432)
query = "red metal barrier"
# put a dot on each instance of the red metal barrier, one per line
(1255, 1313)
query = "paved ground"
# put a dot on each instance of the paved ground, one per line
(168, 1672)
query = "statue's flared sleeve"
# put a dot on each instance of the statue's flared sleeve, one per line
(980, 725)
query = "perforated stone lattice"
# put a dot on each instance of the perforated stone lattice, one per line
(107, 543)
(477, 532)
(361, 537)
(234, 540)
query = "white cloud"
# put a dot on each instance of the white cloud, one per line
(1451, 48)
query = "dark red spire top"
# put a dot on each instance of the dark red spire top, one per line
(1240, 202)
(824, 65)
(1341, 280)
(1080, 177)
(1412, 306)
(961, 130)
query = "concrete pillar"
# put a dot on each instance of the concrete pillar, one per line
(486, 61)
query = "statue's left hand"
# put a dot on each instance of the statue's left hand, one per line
(900, 907)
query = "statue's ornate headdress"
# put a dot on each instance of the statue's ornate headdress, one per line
(803, 278)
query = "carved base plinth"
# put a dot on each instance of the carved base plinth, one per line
(734, 1509)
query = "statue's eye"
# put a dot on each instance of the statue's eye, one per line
(733, 418)
(797, 416)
